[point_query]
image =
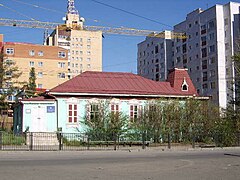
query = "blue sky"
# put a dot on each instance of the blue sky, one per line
(119, 52)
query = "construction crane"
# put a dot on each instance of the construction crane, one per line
(107, 30)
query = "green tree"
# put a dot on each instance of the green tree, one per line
(103, 124)
(31, 88)
(9, 81)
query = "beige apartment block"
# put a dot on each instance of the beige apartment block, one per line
(84, 47)
(50, 62)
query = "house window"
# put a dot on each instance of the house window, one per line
(9, 51)
(89, 66)
(40, 53)
(133, 112)
(88, 53)
(61, 54)
(88, 59)
(72, 113)
(88, 47)
(114, 108)
(94, 112)
(40, 64)
(88, 40)
(31, 64)
(31, 53)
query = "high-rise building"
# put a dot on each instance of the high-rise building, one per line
(155, 57)
(84, 47)
(208, 49)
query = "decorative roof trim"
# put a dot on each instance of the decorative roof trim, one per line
(126, 95)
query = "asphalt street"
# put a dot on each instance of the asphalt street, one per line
(121, 165)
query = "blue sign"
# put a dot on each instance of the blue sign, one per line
(50, 109)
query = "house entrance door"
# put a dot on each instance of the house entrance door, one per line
(39, 121)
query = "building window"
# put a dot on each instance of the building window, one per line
(61, 54)
(88, 40)
(72, 113)
(31, 53)
(227, 71)
(10, 51)
(8, 73)
(227, 46)
(40, 64)
(204, 40)
(211, 36)
(204, 52)
(178, 59)
(40, 53)
(226, 21)
(133, 112)
(61, 64)
(88, 59)
(40, 74)
(212, 73)
(204, 64)
(40, 86)
(211, 25)
(203, 29)
(156, 49)
(88, 53)
(212, 60)
(213, 85)
(31, 64)
(205, 86)
(212, 49)
(89, 66)
(94, 112)
(88, 47)
(205, 78)
(61, 75)
(114, 108)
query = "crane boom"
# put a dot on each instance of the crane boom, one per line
(107, 30)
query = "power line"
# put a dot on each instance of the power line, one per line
(17, 12)
(131, 13)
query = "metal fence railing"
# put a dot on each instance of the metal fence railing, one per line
(46, 141)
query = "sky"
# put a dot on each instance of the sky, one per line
(119, 51)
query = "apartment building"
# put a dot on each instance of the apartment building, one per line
(84, 47)
(50, 62)
(155, 56)
(207, 50)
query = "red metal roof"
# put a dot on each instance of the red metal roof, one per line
(124, 83)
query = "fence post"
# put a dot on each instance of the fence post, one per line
(30, 141)
(193, 141)
(143, 140)
(60, 141)
(1, 140)
(88, 143)
(169, 140)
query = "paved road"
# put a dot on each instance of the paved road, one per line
(121, 165)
